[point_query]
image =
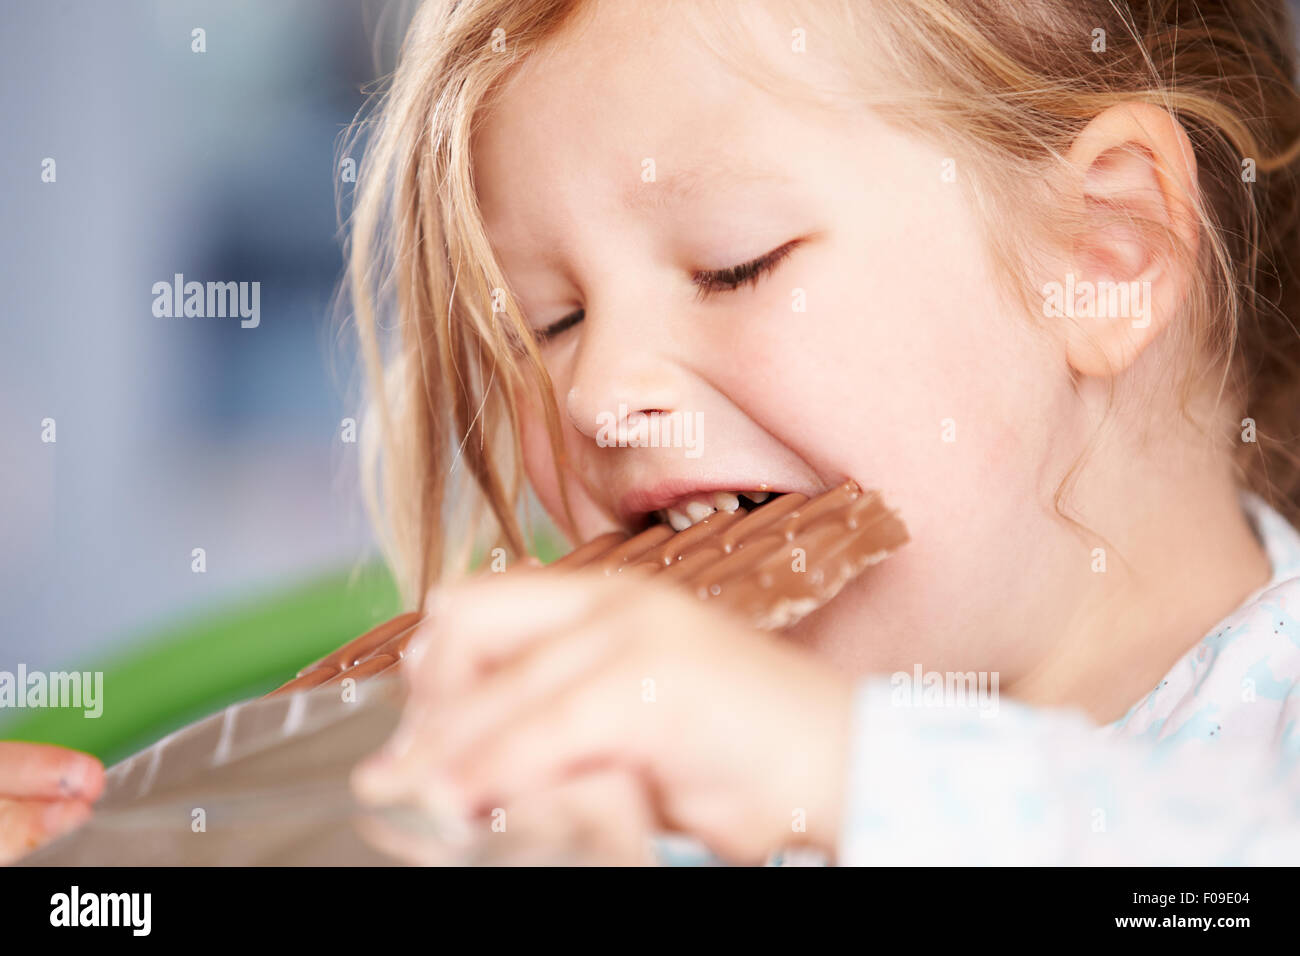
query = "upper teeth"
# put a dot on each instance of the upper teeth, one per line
(697, 509)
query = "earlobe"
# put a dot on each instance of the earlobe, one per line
(1133, 259)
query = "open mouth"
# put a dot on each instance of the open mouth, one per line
(692, 509)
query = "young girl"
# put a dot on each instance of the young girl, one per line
(1027, 269)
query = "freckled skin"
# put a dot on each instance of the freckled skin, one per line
(904, 329)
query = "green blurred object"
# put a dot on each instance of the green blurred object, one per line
(187, 671)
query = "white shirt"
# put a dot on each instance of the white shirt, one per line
(1205, 769)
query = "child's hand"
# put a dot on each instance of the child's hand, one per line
(522, 682)
(45, 791)
(601, 817)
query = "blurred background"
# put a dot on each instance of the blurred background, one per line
(178, 433)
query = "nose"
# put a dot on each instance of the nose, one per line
(612, 383)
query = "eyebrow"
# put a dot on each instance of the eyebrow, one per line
(685, 184)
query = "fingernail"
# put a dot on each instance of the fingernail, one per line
(72, 780)
(415, 653)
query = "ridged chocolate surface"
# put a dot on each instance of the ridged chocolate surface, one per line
(772, 566)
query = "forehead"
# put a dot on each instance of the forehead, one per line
(624, 86)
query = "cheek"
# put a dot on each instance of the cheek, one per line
(539, 465)
(916, 375)
(905, 375)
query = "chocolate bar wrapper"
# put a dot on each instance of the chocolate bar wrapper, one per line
(264, 782)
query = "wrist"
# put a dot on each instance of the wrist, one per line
(819, 792)
(839, 749)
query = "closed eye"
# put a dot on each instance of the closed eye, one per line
(728, 280)
(556, 328)
(707, 283)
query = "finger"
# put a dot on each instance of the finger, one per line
(463, 719)
(401, 844)
(474, 626)
(428, 738)
(602, 720)
(602, 817)
(26, 824)
(47, 772)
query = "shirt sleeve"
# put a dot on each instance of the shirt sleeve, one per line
(1015, 785)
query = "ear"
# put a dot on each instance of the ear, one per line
(1127, 280)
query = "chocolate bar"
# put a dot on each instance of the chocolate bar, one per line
(772, 566)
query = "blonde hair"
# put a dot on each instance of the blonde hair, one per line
(1007, 86)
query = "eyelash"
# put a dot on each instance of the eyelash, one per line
(707, 283)
(729, 280)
